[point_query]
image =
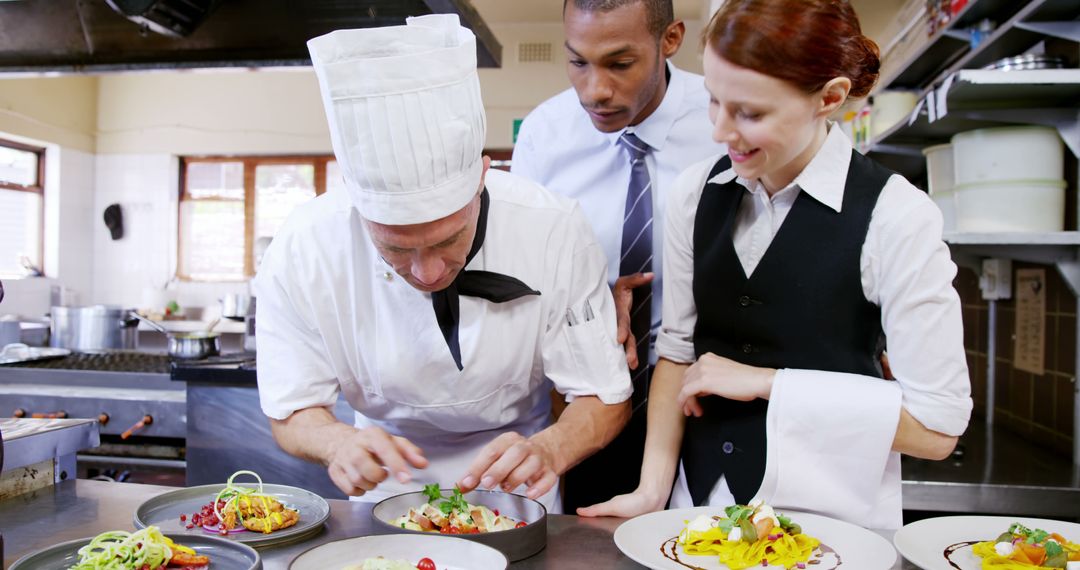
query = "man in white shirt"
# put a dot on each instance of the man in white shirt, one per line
(615, 142)
(442, 299)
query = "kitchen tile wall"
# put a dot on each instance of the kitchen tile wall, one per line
(1039, 407)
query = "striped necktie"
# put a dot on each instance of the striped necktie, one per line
(637, 254)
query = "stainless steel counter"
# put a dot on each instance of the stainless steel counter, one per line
(30, 441)
(76, 509)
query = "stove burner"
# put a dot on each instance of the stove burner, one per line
(118, 361)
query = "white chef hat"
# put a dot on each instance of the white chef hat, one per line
(406, 119)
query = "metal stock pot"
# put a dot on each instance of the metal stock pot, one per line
(97, 327)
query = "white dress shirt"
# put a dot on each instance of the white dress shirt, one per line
(906, 270)
(335, 318)
(559, 147)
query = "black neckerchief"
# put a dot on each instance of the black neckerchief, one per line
(494, 287)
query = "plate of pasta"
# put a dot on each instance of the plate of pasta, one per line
(986, 542)
(750, 536)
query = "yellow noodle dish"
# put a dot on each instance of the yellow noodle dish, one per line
(749, 535)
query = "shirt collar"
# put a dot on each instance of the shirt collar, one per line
(823, 178)
(654, 130)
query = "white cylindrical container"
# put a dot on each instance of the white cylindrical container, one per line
(1025, 206)
(889, 108)
(946, 202)
(939, 168)
(1006, 154)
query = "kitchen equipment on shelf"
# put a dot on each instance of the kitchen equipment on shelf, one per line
(234, 306)
(187, 345)
(1005, 154)
(1021, 206)
(1009, 179)
(940, 175)
(91, 328)
(889, 108)
(1027, 61)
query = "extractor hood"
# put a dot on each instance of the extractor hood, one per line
(114, 35)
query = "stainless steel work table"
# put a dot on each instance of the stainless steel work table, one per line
(75, 509)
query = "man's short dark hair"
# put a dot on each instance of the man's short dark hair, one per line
(660, 13)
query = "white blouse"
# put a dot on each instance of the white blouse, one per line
(906, 270)
(850, 419)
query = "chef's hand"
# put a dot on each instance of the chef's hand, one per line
(629, 505)
(714, 375)
(368, 456)
(509, 461)
(624, 298)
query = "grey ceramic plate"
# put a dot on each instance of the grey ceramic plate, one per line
(164, 511)
(516, 544)
(448, 553)
(224, 554)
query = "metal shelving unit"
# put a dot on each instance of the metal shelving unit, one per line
(956, 95)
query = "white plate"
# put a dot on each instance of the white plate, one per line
(923, 542)
(447, 552)
(640, 538)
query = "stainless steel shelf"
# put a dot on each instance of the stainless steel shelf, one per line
(947, 45)
(977, 98)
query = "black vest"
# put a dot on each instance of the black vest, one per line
(803, 308)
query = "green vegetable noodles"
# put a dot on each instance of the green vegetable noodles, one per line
(118, 550)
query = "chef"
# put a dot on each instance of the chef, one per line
(442, 299)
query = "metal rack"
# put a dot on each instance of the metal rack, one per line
(955, 95)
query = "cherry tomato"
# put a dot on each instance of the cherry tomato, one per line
(520, 524)
(425, 564)
(454, 530)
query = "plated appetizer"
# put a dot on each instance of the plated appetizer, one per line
(240, 509)
(146, 549)
(380, 563)
(748, 535)
(1022, 548)
(453, 515)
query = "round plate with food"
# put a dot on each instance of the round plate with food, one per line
(401, 552)
(513, 524)
(750, 536)
(976, 542)
(244, 509)
(146, 548)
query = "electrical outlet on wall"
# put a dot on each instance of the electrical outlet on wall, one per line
(996, 279)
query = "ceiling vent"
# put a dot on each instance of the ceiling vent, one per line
(176, 18)
(534, 52)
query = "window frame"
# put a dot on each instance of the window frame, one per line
(38, 189)
(250, 163)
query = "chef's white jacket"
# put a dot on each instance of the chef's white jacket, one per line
(335, 318)
(830, 434)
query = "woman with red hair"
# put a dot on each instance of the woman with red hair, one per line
(790, 259)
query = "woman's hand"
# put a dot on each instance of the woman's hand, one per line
(714, 375)
(629, 505)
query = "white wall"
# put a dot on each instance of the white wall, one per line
(511, 91)
(60, 114)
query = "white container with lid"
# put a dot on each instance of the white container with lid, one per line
(939, 168)
(1025, 206)
(1003, 154)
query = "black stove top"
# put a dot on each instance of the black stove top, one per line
(113, 361)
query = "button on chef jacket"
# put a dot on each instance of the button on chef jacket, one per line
(335, 318)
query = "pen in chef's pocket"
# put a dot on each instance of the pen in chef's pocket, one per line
(586, 311)
(571, 320)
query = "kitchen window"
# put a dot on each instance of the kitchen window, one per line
(22, 171)
(231, 207)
